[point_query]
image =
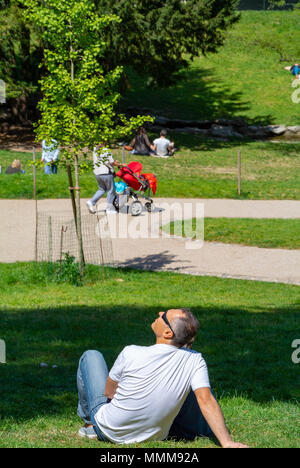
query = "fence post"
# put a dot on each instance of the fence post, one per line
(63, 230)
(239, 172)
(50, 239)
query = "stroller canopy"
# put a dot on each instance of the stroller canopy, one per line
(132, 175)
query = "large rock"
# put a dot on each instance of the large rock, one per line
(192, 130)
(294, 129)
(224, 131)
(276, 129)
(254, 131)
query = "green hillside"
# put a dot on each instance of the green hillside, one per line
(245, 79)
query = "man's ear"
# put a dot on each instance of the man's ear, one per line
(168, 334)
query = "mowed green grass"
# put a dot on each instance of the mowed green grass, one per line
(202, 168)
(265, 233)
(246, 334)
(246, 78)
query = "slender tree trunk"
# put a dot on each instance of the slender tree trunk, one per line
(78, 219)
(78, 210)
(71, 186)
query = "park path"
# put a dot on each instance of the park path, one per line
(159, 253)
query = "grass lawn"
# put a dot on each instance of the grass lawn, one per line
(202, 168)
(267, 233)
(246, 332)
(246, 78)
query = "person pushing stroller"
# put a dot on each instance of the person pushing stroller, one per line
(104, 164)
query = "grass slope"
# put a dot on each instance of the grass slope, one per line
(246, 78)
(246, 331)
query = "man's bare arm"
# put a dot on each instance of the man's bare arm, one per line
(215, 419)
(110, 388)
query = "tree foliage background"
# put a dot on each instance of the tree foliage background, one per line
(156, 38)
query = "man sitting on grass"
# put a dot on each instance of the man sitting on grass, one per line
(163, 147)
(151, 392)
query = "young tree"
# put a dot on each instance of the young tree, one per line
(77, 108)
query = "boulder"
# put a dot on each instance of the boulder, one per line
(294, 129)
(255, 131)
(276, 129)
(224, 131)
(191, 130)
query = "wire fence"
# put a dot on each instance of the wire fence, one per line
(56, 236)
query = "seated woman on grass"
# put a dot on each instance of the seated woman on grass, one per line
(15, 168)
(141, 143)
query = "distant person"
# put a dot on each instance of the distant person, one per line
(15, 168)
(162, 146)
(104, 171)
(294, 69)
(141, 143)
(50, 154)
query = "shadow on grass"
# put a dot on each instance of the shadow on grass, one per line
(198, 95)
(248, 352)
(155, 262)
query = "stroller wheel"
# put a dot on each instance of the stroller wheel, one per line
(149, 207)
(136, 208)
(116, 203)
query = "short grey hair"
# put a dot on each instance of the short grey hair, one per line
(185, 329)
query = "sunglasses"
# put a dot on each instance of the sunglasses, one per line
(164, 317)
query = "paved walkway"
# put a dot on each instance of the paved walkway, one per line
(156, 252)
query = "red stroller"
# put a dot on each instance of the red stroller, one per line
(139, 185)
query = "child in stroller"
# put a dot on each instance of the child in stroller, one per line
(136, 185)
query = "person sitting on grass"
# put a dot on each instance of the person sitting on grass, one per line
(151, 392)
(162, 146)
(294, 69)
(15, 168)
(141, 144)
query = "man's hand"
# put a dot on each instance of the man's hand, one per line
(235, 445)
(118, 164)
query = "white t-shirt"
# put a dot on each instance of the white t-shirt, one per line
(154, 382)
(103, 160)
(162, 145)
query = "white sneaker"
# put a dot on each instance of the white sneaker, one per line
(91, 207)
(111, 211)
(87, 432)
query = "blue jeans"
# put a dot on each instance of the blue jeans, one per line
(50, 168)
(105, 184)
(91, 379)
(92, 374)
